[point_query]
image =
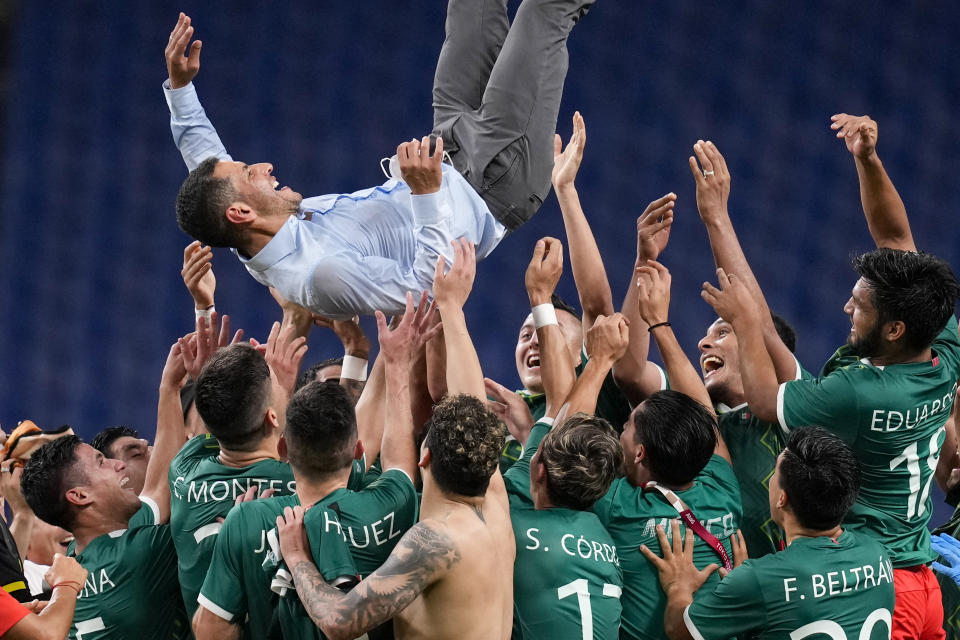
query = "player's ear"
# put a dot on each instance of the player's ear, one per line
(894, 330)
(641, 454)
(270, 421)
(424, 459)
(78, 496)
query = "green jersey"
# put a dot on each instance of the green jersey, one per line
(371, 522)
(631, 516)
(566, 578)
(131, 589)
(202, 489)
(817, 588)
(893, 417)
(238, 583)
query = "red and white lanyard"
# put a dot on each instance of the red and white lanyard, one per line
(692, 522)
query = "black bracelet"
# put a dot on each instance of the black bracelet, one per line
(659, 324)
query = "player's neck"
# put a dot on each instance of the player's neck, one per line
(899, 357)
(85, 531)
(241, 459)
(311, 491)
(437, 503)
(793, 531)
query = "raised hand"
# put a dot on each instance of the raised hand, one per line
(197, 348)
(284, 353)
(544, 270)
(653, 228)
(10, 472)
(510, 408)
(566, 163)
(198, 275)
(174, 374)
(676, 568)
(66, 571)
(713, 181)
(732, 301)
(653, 281)
(858, 132)
(399, 344)
(608, 338)
(355, 342)
(292, 535)
(182, 68)
(453, 287)
(422, 172)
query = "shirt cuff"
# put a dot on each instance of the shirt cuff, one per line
(430, 208)
(780, 418)
(180, 101)
(692, 628)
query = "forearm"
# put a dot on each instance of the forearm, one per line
(556, 368)
(683, 377)
(335, 613)
(437, 367)
(636, 377)
(170, 437)
(370, 412)
(56, 618)
(21, 528)
(885, 211)
(399, 449)
(209, 626)
(300, 317)
(760, 384)
(673, 622)
(585, 259)
(583, 396)
(464, 374)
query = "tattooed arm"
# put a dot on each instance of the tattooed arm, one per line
(421, 558)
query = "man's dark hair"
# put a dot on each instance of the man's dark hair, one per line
(310, 374)
(563, 305)
(679, 435)
(47, 475)
(913, 287)
(582, 456)
(464, 439)
(821, 476)
(102, 441)
(785, 331)
(233, 393)
(321, 429)
(201, 206)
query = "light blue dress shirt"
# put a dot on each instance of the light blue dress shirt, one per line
(349, 254)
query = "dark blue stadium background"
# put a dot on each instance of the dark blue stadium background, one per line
(91, 253)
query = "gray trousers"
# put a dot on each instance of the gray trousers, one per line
(496, 96)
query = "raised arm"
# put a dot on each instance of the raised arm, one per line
(585, 260)
(398, 348)
(451, 291)
(371, 409)
(633, 373)
(422, 557)
(654, 304)
(170, 431)
(713, 192)
(53, 623)
(541, 279)
(21, 523)
(886, 215)
(606, 343)
(198, 277)
(192, 131)
(734, 303)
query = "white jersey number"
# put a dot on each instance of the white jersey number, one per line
(917, 502)
(834, 631)
(579, 587)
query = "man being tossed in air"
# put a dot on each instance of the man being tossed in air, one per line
(497, 93)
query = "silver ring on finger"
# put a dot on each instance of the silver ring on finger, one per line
(708, 173)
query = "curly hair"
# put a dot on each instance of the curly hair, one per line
(582, 457)
(464, 439)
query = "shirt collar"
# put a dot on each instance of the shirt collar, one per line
(280, 246)
(722, 408)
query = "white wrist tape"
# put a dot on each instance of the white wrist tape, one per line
(544, 314)
(203, 313)
(354, 368)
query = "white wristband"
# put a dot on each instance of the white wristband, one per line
(203, 313)
(544, 314)
(354, 368)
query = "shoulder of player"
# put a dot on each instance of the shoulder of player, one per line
(263, 510)
(431, 546)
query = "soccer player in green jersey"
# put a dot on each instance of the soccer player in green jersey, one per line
(121, 539)
(888, 391)
(830, 582)
(451, 575)
(241, 395)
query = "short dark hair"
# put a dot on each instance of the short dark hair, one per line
(321, 429)
(465, 439)
(821, 476)
(309, 375)
(563, 305)
(678, 434)
(102, 441)
(233, 393)
(785, 331)
(201, 206)
(47, 475)
(582, 457)
(913, 287)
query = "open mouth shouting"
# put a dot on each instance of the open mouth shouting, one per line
(710, 364)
